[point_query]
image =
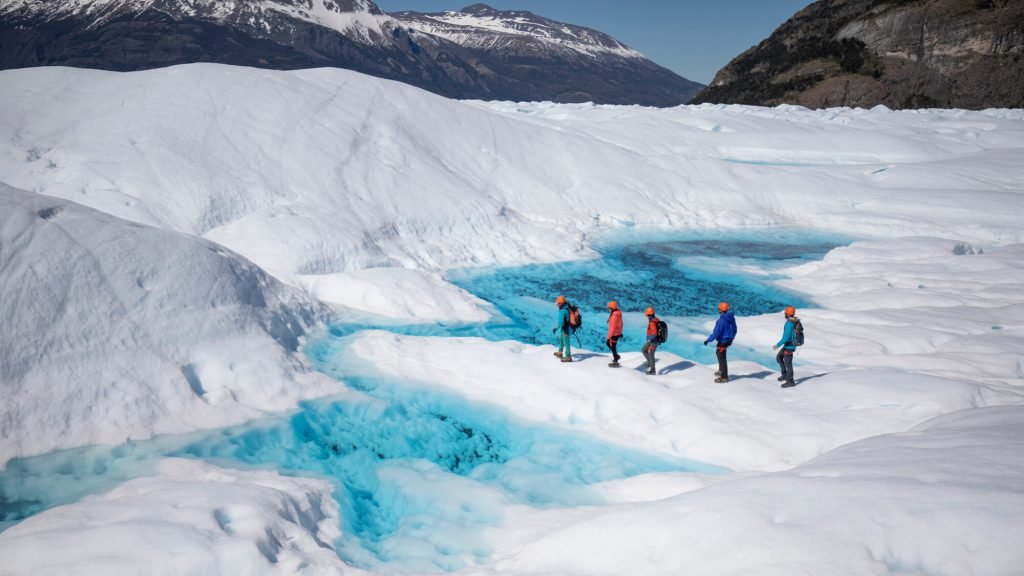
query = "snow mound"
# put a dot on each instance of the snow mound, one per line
(114, 331)
(941, 499)
(400, 294)
(190, 518)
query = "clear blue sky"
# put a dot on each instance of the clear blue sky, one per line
(693, 38)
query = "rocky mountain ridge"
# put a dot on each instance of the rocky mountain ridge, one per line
(898, 53)
(478, 53)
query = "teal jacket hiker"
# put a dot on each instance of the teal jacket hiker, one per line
(788, 340)
(563, 319)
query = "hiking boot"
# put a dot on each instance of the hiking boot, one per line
(652, 371)
(613, 364)
(717, 374)
(567, 359)
(558, 354)
(721, 379)
(789, 384)
(781, 378)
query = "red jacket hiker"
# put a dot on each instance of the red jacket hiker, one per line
(614, 331)
(615, 324)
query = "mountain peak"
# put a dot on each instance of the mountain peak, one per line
(480, 26)
(479, 52)
(480, 9)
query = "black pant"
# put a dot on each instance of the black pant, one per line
(613, 345)
(785, 360)
(723, 365)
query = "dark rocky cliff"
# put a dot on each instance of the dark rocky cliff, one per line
(899, 53)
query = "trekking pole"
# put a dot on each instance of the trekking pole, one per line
(578, 339)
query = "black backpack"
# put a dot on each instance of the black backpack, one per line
(662, 331)
(798, 333)
(575, 318)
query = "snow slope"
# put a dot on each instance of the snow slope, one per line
(327, 171)
(898, 453)
(190, 518)
(115, 331)
(940, 499)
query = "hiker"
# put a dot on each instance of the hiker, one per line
(562, 328)
(614, 332)
(723, 335)
(788, 344)
(651, 343)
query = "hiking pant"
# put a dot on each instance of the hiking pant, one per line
(563, 344)
(613, 345)
(723, 365)
(785, 360)
(648, 350)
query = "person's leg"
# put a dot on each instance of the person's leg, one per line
(568, 340)
(647, 352)
(787, 366)
(723, 365)
(652, 347)
(613, 343)
(782, 366)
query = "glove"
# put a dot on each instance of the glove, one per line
(553, 330)
(705, 342)
(775, 347)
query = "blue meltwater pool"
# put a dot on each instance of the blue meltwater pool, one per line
(418, 473)
(683, 276)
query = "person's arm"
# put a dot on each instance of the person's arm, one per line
(717, 332)
(787, 335)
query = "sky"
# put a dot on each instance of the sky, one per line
(693, 38)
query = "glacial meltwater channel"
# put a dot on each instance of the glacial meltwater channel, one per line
(418, 472)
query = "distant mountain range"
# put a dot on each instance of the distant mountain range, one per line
(478, 52)
(900, 53)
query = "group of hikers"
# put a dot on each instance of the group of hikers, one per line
(723, 334)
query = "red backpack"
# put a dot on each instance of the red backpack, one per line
(575, 318)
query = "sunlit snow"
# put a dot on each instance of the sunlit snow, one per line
(265, 322)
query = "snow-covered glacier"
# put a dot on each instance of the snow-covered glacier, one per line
(188, 251)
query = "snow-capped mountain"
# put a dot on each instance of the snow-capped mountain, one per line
(477, 53)
(481, 27)
(360, 20)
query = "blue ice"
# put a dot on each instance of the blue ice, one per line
(419, 474)
(682, 275)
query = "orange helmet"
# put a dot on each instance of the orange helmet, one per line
(649, 311)
(613, 305)
(560, 300)
(723, 306)
(790, 311)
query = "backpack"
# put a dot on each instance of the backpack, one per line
(575, 318)
(798, 333)
(662, 331)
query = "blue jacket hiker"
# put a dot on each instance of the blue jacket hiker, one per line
(563, 330)
(723, 334)
(788, 345)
